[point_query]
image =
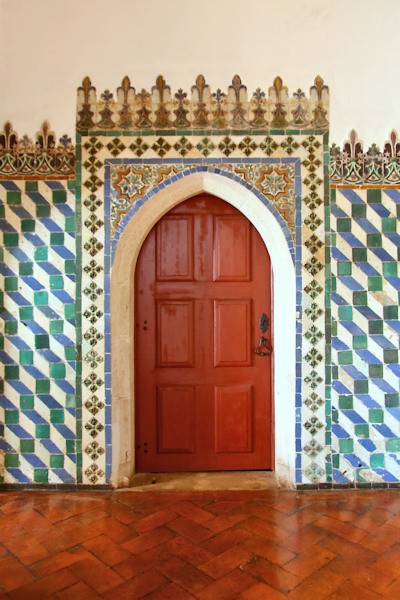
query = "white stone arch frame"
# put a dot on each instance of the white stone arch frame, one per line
(122, 316)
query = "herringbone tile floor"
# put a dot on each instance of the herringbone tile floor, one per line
(203, 545)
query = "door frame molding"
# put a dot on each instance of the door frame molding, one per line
(137, 226)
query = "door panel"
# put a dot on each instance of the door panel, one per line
(175, 329)
(234, 418)
(231, 249)
(232, 343)
(203, 398)
(175, 434)
(175, 249)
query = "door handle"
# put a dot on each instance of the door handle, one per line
(264, 347)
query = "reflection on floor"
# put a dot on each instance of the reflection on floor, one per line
(219, 480)
(201, 545)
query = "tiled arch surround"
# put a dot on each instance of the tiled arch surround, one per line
(130, 178)
(62, 413)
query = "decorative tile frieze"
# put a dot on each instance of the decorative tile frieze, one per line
(351, 165)
(160, 109)
(42, 158)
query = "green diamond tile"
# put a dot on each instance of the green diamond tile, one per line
(361, 430)
(40, 475)
(346, 446)
(27, 446)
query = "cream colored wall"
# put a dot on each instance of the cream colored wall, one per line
(48, 46)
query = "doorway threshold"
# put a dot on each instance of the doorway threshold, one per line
(204, 481)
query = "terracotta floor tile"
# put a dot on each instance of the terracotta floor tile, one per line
(222, 507)
(225, 562)
(393, 590)
(321, 585)
(289, 504)
(54, 514)
(83, 519)
(114, 529)
(26, 549)
(13, 574)
(345, 530)
(193, 531)
(143, 561)
(157, 519)
(79, 591)
(45, 587)
(189, 578)
(227, 588)
(123, 514)
(310, 561)
(223, 522)
(224, 540)
(303, 539)
(381, 539)
(350, 550)
(373, 518)
(143, 584)
(263, 528)
(204, 545)
(349, 590)
(106, 550)
(186, 550)
(171, 591)
(193, 512)
(63, 539)
(394, 520)
(147, 540)
(360, 573)
(388, 563)
(275, 576)
(337, 512)
(267, 549)
(58, 561)
(96, 574)
(261, 591)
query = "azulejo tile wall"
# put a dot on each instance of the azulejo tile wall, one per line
(62, 221)
(38, 413)
(365, 335)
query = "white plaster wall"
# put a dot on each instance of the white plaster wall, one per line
(48, 46)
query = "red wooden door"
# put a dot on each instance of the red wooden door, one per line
(203, 397)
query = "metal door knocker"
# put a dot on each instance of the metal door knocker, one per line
(264, 347)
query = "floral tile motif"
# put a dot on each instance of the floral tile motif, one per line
(44, 158)
(202, 109)
(351, 165)
(130, 182)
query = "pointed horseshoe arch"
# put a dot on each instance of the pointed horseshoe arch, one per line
(136, 227)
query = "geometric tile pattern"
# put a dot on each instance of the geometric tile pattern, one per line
(365, 335)
(38, 412)
(130, 165)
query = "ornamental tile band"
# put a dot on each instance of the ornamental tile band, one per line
(350, 165)
(44, 158)
(202, 109)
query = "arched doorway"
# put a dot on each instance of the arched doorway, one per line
(203, 352)
(137, 225)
